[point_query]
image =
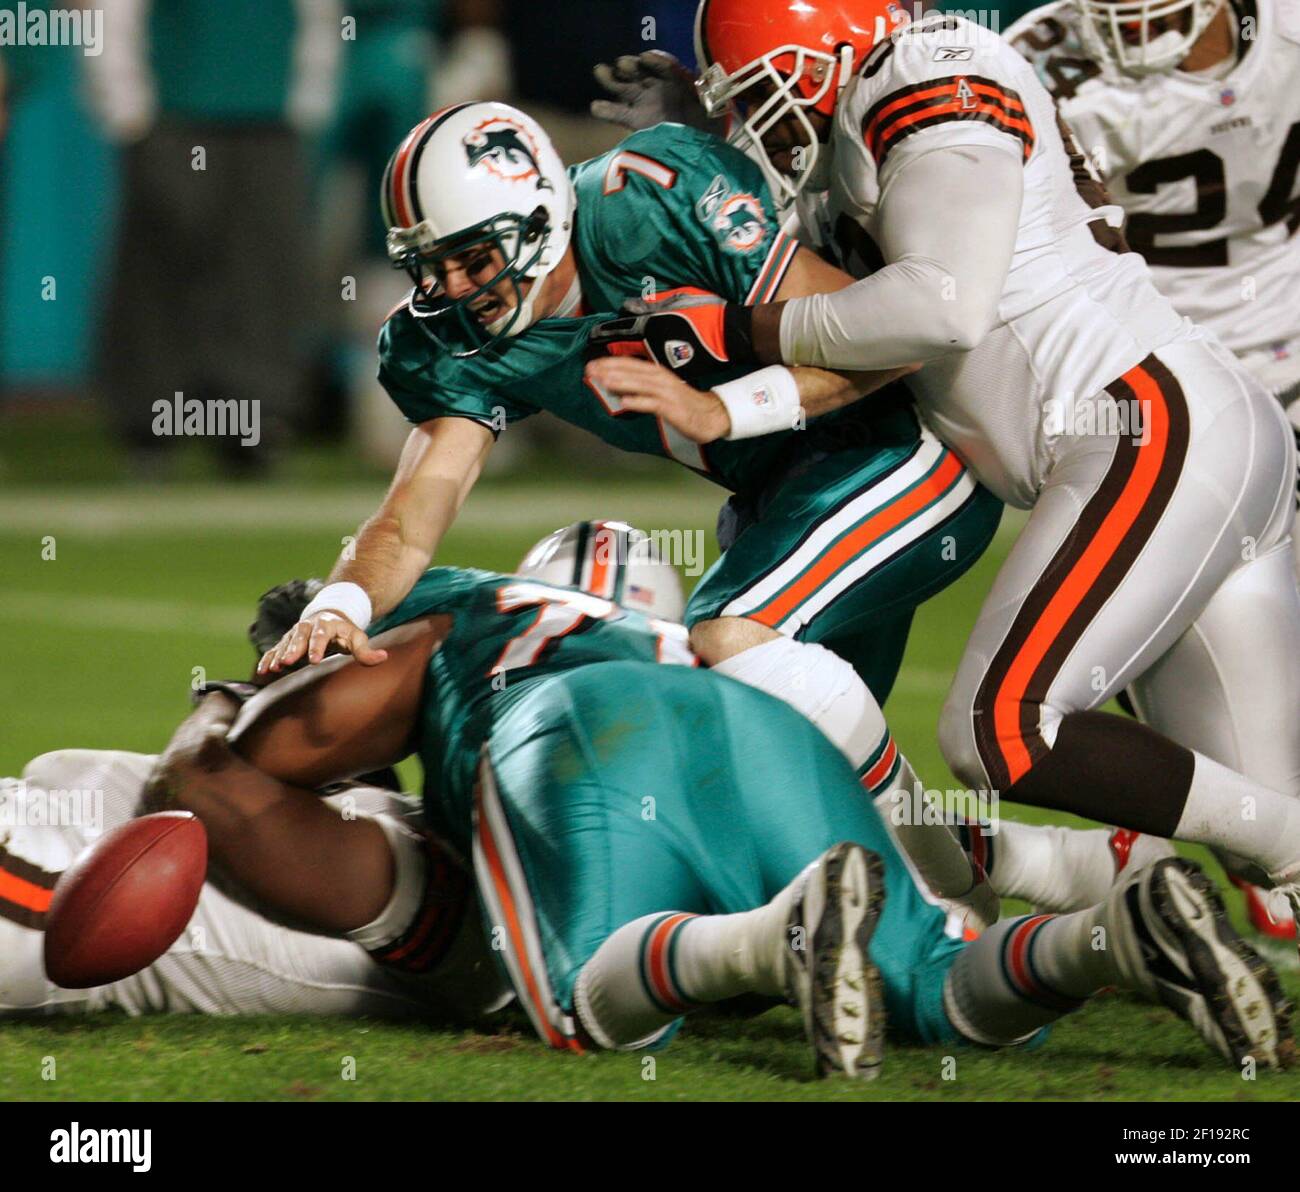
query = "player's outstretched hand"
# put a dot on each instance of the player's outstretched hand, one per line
(648, 89)
(647, 388)
(318, 635)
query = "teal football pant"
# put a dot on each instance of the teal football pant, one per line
(849, 547)
(621, 789)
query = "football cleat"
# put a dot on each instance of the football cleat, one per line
(828, 971)
(1175, 945)
(1264, 914)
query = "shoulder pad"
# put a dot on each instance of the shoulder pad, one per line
(934, 47)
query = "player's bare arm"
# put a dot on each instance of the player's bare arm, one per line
(251, 774)
(439, 465)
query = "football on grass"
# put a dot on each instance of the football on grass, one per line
(125, 901)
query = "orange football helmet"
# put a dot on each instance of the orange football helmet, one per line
(801, 53)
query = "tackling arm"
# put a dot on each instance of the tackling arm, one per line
(949, 219)
(702, 416)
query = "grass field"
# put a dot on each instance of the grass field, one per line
(101, 642)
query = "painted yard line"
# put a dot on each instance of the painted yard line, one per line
(919, 680)
(217, 509)
(121, 613)
(488, 510)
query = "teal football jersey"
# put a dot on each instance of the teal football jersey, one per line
(668, 207)
(507, 633)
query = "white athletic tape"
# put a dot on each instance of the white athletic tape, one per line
(346, 598)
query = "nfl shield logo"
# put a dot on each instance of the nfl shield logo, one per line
(1227, 97)
(680, 353)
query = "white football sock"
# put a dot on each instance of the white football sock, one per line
(1227, 810)
(1062, 869)
(1023, 973)
(651, 971)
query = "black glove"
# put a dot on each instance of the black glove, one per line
(648, 89)
(279, 610)
(691, 332)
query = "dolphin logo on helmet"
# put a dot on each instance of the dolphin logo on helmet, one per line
(502, 146)
(452, 186)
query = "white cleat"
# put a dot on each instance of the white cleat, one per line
(829, 973)
(1175, 944)
(1284, 896)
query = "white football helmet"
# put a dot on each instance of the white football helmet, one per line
(609, 559)
(1143, 37)
(476, 174)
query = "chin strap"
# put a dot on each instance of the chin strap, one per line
(572, 300)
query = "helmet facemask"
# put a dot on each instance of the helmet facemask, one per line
(813, 77)
(452, 324)
(1128, 34)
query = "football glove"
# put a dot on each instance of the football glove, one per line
(649, 89)
(689, 331)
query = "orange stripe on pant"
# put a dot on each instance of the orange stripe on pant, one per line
(502, 886)
(1084, 573)
(856, 541)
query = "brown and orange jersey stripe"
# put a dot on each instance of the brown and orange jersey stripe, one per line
(937, 101)
(25, 891)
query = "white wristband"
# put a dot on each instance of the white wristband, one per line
(761, 403)
(346, 598)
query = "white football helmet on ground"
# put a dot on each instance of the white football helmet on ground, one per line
(476, 174)
(609, 559)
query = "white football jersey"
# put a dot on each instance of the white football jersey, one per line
(1207, 170)
(233, 958)
(1073, 315)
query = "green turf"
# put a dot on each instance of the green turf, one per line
(1112, 1049)
(101, 643)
